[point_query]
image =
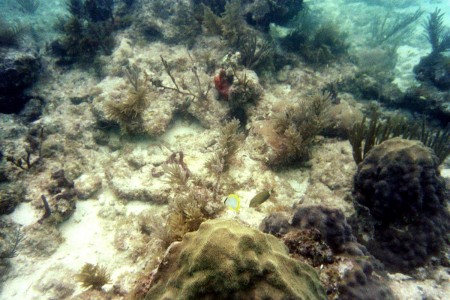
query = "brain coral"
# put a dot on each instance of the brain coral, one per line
(228, 260)
(398, 190)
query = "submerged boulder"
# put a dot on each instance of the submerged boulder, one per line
(227, 260)
(18, 71)
(434, 69)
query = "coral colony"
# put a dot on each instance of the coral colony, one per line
(226, 149)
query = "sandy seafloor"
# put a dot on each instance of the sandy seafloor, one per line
(104, 227)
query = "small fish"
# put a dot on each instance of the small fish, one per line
(233, 202)
(260, 198)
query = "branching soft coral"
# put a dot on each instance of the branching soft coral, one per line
(10, 34)
(436, 32)
(231, 25)
(288, 137)
(91, 276)
(228, 144)
(128, 111)
(194, 91)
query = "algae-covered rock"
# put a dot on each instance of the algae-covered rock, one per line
(227, 260)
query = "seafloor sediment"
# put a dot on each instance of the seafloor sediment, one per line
(119, 179)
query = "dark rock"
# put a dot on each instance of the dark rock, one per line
(11, 194)
(151, 30)
(62, 202)
(332, 225)
(32, 110)
(435, 69)
(360, 283)
(18, 71)
(99, 10)
(429, 100)
(262, 13)
(368, 87)
(276, 223)
(308, 244)
(79, 100)
(330, 222)
(258, 13)
(314, 235)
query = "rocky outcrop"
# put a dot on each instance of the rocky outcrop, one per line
(18, 71)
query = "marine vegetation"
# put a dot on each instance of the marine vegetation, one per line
(196, 200)
(216, 6)
(364, 136)
(254, 53)
(28, 6)
(9, 241)
(227, 146)
(33, 152)
(435, 67)
(198, 92)
(187, 24)
(257, 13)
(93, 276)
(231, 24)
(437, 34)
(127, 112)
(316, 43)
(288, 137)
(244, 90)
(327, 45)
(86, 33)
(10, 34)
(392, 29)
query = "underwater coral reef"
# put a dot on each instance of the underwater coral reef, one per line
(226, 149)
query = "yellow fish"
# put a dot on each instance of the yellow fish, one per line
(233, 202)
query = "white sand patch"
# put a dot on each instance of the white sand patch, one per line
(87, 239)
(136, 207)
(299, 187)
(445, 173)
(181, 131)
(24, 214)
(406, 287)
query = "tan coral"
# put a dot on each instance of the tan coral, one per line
(227, 260)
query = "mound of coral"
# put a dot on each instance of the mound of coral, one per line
(329, 222)
(400, 199)
(321, 236)
(228, 260)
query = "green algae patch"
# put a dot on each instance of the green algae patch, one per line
(228, 260)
